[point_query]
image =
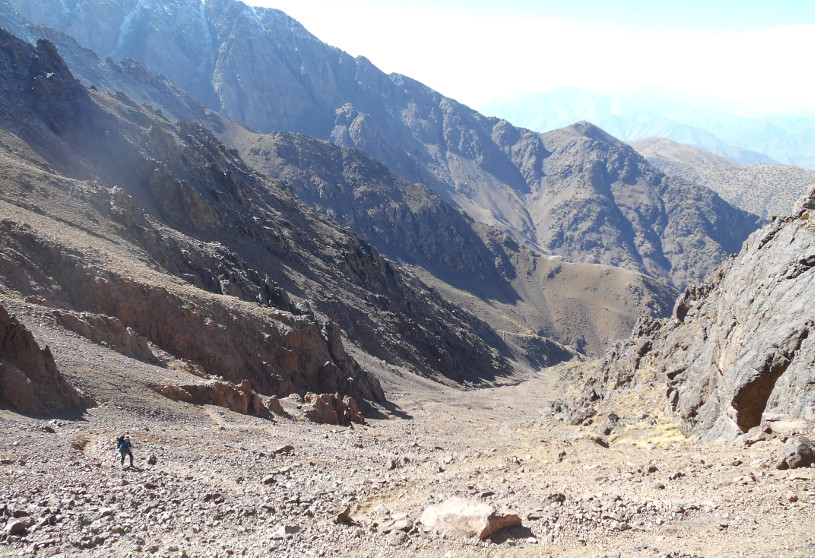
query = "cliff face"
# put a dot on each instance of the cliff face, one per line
(29, 379)
(741, 347)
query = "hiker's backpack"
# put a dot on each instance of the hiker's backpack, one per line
(119, 440)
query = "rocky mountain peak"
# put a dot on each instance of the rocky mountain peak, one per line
(589, 130)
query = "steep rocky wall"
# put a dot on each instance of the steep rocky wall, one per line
(29, 378)
(741, 347)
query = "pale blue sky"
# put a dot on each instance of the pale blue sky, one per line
(758, 53)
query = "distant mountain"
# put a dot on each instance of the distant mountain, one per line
(704, 124)
(764, 190)
(598, 203)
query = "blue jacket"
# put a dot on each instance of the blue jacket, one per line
(125, 445)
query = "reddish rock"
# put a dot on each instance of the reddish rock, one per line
(239, 398)
(29, 378)
(329, 408)
(274, 406)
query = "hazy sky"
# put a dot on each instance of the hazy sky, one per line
(756, 52)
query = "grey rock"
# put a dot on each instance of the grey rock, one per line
(797, 452)
(740, 348)
(15, 527)
(286, 531)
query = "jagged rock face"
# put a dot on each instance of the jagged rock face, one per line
(128, 75)
(239, 398)
(575, 192)
(29, 379)
(163, 229)
(740, 347)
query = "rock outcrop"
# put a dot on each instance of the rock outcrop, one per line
(29, 379)
(740, 347)
(240, 398)
(330, 408)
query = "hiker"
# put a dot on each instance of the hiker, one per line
(124, 448)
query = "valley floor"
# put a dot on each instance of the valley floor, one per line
(228, 484)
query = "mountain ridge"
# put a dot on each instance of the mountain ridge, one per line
(187, 232)
(636, 116)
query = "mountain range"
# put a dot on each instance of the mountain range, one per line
(498, 174)
(513, 245)
(705, 123)
(291, 319)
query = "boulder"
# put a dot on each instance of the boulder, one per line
(797, 452)
(15, 527)
(329, 408)
(274, 406)
(459, 517)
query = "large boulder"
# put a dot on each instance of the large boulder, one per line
(459, 517)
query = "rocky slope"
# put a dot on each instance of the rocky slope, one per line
(763, 190)
(115, 218)
(235, 58)
(739, 351)
(210, 482)
(525, 294)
